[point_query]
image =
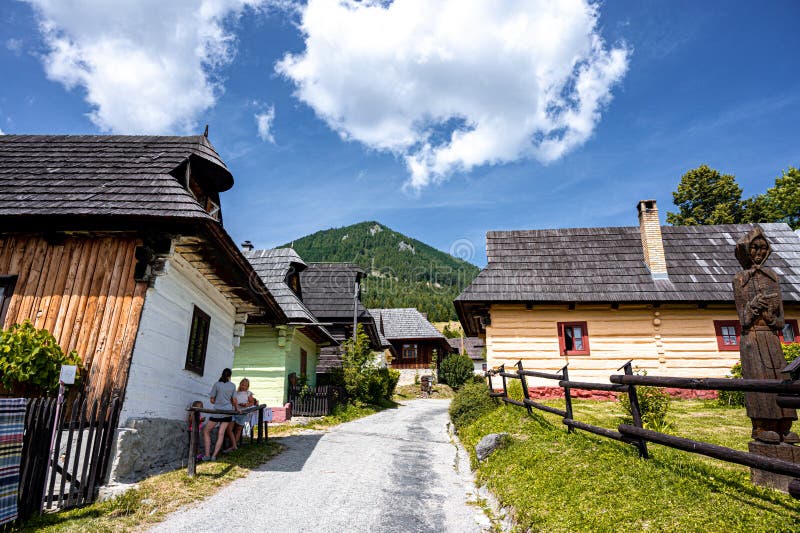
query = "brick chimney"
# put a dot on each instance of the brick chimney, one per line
(652, 244)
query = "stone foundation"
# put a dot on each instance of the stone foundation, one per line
(785, 452)
(408, 375)
(144, 446)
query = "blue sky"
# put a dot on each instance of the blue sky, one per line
(694, 82)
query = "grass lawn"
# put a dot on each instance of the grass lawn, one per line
(412, 392)
(556, 481)
(157, 496)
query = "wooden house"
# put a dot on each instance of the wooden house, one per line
(115, 245)
(331, 291)
(415, 342)
(474, 347)
(269, 353)
(595, 298)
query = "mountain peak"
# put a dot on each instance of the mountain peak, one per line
(402, 271)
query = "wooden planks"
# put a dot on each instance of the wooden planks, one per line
(82, 290)
(673, 339)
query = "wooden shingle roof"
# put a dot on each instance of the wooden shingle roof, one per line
(328, 290)
(104, 175)
(404, 323)
(606, 265)
(104, 183)
(273, 266)
(474, 346)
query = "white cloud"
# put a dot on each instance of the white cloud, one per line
(14, 46)
(146, 66)
(450, 85)
(264, 123)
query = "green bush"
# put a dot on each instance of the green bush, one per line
(515, 390)
(736, 398)
(732, 398)
(470, 403)
(791, 351)
(363, 381)
(653, 408)
(456, 369)
(32, 357)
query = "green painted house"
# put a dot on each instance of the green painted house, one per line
(268, 354)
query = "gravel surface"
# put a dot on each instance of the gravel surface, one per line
(394, 471)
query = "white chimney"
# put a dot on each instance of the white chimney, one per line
(652, 243)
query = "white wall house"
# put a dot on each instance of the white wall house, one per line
(159, 385)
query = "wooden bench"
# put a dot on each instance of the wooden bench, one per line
(194, 435)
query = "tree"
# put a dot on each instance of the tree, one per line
(783, 200)
(705, 196)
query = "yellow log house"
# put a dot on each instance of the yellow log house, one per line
(594, 298)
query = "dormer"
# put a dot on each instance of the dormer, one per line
(293, 279)
(204, 176)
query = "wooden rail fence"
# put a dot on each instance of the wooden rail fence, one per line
(638, 436)
(319, 401)
(82, 443)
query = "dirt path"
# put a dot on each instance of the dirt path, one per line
(394, 471)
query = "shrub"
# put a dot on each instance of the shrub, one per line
(361, 378)
(470, 403)
(732, 398)
(653, 408)
(791, 351)
(32, 357)
(515, 390)
(456, 369)
(736, 398)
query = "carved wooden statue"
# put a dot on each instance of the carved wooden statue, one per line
(758, 299)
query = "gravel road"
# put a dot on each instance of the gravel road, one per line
(395, 471)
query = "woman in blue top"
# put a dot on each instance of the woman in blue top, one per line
(221, 395)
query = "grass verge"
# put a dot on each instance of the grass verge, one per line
(156, 496)
(413, 392)
(556, 481)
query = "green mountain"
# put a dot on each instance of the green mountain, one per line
(401, 271)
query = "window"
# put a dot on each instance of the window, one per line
(303, 363)
(409, 351)
(573, 338)
(198, 341)
(789, 333)
(728, 333)
(6, 288)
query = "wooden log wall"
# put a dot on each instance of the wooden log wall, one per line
(675, 340)
(83, 291)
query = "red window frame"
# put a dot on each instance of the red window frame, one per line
(562, 341)
(721, 346)
(792, 323)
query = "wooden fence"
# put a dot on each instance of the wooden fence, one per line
(72, 476)
(635, 434)
(319, 401)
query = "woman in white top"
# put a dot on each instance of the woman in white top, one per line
(244, 399)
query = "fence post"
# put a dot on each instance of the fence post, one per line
(567, 397)
(635, 412)
(260, 424)
(505, 385)
(489, 376)
(524, 382)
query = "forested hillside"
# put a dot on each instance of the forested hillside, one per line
(402, 272)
